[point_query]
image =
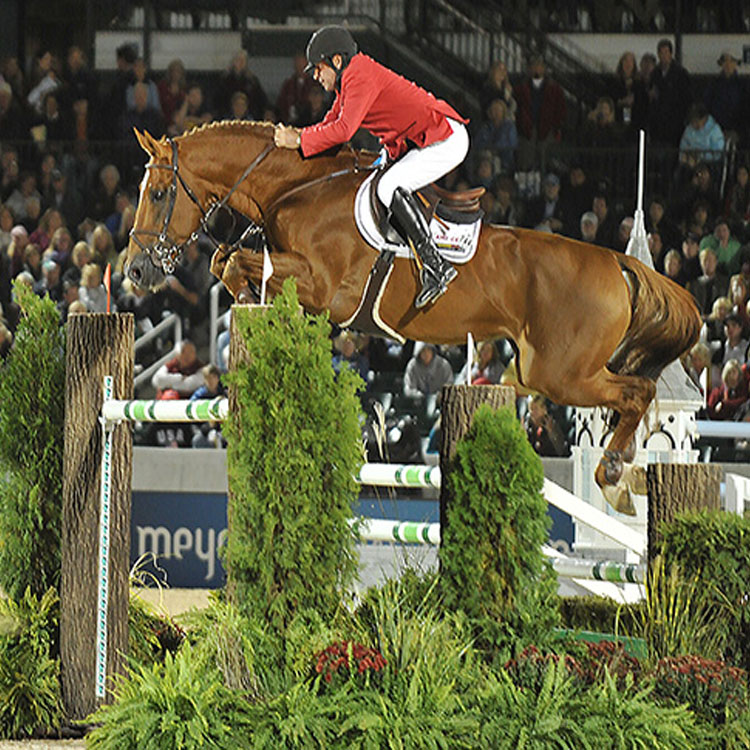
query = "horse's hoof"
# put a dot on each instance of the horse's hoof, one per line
(619, 498)
(244, 296)
(611, 462)
(635, 479)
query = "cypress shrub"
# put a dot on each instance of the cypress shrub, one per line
(294, 449)
(492, 564)
(32, 397)
(713, 547)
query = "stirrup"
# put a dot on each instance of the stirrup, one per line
(434, 285)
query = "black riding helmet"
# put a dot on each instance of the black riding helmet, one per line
(327, 42)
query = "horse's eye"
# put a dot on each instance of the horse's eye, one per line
(157, 194)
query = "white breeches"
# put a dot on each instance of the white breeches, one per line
(421, 166)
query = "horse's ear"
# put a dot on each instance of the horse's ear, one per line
(148, 143)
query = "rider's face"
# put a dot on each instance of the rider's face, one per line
(325, 75)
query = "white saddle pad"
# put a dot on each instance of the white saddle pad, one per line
(457, 243)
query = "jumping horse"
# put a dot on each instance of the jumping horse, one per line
(591, 327)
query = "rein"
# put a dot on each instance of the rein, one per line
(165, 252)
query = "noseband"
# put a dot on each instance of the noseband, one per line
(166, 252)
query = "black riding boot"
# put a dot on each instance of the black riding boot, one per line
(436, 272)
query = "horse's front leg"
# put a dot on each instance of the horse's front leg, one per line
(234, 276)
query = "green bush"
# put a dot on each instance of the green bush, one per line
(714, 549)
(30, 702)
(492, 564)
(294, 451)
(599, 614)
(32, 395)
(178, 705)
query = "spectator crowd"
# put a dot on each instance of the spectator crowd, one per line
(70, 166)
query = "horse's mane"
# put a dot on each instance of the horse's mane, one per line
(263, 129)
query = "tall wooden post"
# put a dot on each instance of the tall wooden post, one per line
(457, 406)
(679, 488)
(98, 344)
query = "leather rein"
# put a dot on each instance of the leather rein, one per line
(166, 251)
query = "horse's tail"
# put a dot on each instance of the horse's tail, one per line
(665, 322)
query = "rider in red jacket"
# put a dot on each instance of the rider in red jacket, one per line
(425, 137)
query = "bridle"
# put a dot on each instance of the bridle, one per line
(166, 251)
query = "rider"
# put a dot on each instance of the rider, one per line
(425, 136)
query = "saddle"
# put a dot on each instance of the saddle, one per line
(458, 207)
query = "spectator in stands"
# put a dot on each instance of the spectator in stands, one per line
(92, 291)
(181, 375)
(32, 261)
(545, 212)
(646, 67)
(125, 60)
(507, 210)
(738, 202)
(80, 256)
(44, 79)
(629, 94)
(348, 354)
(725, 400)
(142, 75)
(542, 430)
(292, 102)
(691, 267)
(710, 285)
(602, 130)
(702, 139)
(193, 112)
(701, 192)
(541, 113)
(141, 116)
(49, 222)
(657, 220)
(726, 247)
(60, 247)
(103, 250)
(69, 296)
(657, 250)
(53, 125)
(426, 372)
(6, 224)
(498, 86)
(172, 89)
(6, 341)
(712, 330)
(576, 197)
(208, 434)
(589, 224)
(239, 106)
(18, 200)
(487, 367)
(670, 96)
(698, 362)
(726, 98)
(102, 201)
(239, 77)
(606, 230)
(80, 91)
(51, 283)
(11, 72)
(13, 121)
(673, 267)
(19, 238)
(624, 230)
(498, 133)
(64, 198)
(187, 287)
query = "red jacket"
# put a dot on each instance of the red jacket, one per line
(390, 107)
(551, 113)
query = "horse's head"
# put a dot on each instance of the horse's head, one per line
(166, 218)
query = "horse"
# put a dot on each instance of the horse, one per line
(590, 327)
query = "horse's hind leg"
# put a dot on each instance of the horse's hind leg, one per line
(629, 396)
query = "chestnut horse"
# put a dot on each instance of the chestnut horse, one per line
(592, 327)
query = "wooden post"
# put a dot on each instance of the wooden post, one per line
(98, 344)
(238, 354)
(457, 406)
(679, 488)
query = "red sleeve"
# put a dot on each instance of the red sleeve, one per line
(342, 122)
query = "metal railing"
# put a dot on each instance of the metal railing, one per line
(172, 321)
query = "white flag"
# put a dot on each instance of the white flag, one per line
(267, 273)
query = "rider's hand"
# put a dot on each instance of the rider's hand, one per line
(286, 137)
